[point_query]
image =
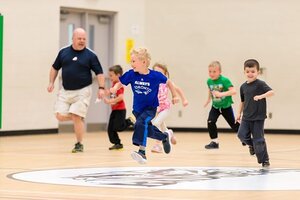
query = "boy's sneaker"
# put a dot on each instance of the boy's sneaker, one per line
(116, 147)
(167, 142)
(173, 138)
(131, 120)
(266, 164)
(212, 145)
(251, 150)
(156, 148)
(139, 157)
(78, 148)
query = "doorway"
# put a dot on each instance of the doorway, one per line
(99, 28)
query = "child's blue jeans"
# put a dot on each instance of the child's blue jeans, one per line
(143, 127)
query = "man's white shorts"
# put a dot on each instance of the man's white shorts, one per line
(73, 101)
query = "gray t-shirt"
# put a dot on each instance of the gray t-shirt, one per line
(254, 110)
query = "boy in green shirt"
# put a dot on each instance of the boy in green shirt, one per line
(220, 90)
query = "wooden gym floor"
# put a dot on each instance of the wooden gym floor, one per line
(46, 152)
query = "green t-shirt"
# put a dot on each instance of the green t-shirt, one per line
(222, 84)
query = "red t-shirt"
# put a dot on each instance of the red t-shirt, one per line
(121, 104)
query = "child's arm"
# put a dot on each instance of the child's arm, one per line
(116, 87)
(231, 91)
(208, 98)
(171, 86)
(182, 96)
(113, 101)
(239, 112)
(265, 95)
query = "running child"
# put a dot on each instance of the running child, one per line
(163, 110)
(253, 106)
(117, 119)
(145, 85)
(220, 92)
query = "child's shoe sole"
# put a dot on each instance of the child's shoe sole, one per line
(139, 158)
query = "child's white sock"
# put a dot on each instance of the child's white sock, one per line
(215, 140)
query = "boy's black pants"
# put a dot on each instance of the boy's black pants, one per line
(117, 122)
(213, 116)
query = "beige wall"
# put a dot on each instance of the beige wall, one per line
(185, 34)
(189, 34)
(31, 43)
(29, 47)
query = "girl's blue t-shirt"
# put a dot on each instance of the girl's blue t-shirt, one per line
(145, 88)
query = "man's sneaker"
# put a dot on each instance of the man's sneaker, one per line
(212, 145)
(78, 148)
(139, 157)
(266, 164)
(157, 149)
(173, 138)
(251, 150)
(116, 147)
(167, 142)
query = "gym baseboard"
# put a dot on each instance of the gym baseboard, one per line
(102, 127)
(228, 130)
(29, 132)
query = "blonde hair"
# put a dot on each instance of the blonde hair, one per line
(163, 67)
(142, 54)
(215, 64)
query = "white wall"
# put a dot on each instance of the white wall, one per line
(185, 34)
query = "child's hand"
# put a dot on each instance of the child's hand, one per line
(217, 94)
(206, 103)
(109, 101)
(257, 97)
(185, 103)
(175, 100)
(112, 90)
(238, 118)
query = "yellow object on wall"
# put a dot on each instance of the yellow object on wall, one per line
(129, 46)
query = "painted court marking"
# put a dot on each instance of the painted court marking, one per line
(177, 178)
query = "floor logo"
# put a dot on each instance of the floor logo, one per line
(185, 178)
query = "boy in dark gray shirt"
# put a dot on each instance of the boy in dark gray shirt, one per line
(253, 106)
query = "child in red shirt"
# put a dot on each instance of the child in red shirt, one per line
(117, 120)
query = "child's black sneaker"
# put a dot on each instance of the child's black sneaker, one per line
(78, 148)
(212, 145)
(167, 142)
(131, 121)
(251, 150)
(266, 164)
(139, 157)
(116, 147)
